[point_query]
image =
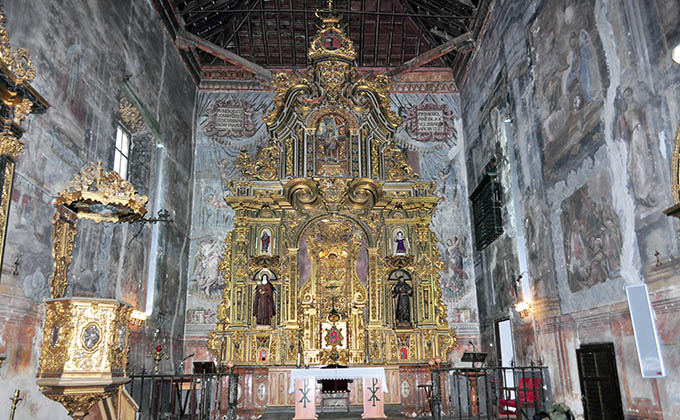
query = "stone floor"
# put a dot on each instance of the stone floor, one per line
(392, 413)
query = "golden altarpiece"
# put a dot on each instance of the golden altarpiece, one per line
(333, 214)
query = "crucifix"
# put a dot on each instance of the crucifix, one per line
(333, 316)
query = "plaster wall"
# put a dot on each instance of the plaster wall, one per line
(578, 101)
(82, 52)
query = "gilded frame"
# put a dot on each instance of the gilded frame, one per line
(675, 170)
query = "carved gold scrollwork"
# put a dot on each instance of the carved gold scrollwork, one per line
(312, 124)
(364, 193)
(266, 164)
(333, 191)
(84, 351)
(130, 115)
(78, 405)
(397, 167)
(22, 108)
(10, 145)
(301, 193)
(399, 261)
(101, 195)
(17, 60)
(290, 155)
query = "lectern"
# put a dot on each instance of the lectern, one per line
(472, 374)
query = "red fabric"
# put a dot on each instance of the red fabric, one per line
(527, 394)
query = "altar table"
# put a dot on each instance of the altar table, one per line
(303, 383)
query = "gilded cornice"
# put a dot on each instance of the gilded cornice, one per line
(101, 195)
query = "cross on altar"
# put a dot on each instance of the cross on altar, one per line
(374, 389)
(305, 390)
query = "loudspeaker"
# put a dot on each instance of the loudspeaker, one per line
(646, 335)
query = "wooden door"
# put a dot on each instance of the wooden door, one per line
(599, 382)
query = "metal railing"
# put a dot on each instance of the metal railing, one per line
(488, 393)
(185, 397)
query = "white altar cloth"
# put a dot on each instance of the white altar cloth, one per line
(342, 373)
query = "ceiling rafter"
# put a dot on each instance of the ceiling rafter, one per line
(423, 32)
(263, 32)
(187, 40)
(462, 41)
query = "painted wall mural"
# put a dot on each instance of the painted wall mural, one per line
(571, 81)
(591, 234)
(225, 123)
(428, 134)
(592, 110)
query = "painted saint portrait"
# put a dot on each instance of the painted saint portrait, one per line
(332, 146)
(632, 129)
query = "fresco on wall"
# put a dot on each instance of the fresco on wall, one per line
(632, 129)
(644, 119)
(29, 258)
(591, 234)
(133, 287)
(540, 260)
(428, 133)
(225, 122)
(571, 81)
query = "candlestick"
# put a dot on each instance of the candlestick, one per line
(15, 401)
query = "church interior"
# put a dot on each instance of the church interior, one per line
(446, 209)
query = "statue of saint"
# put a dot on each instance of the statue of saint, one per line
(263, 306)
(265, 239)
(399, 243)
(402, 292)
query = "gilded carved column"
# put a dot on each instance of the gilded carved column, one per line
(375, 309)
(18, 99)
(63, 240)
(292, 284)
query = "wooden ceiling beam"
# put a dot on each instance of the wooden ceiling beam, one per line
(423, 32)
(186, 40)
(278, 33)
(388, 60)
(292, 35)
(466, 40)
(349, 12)
(376, 24)
(436, 10)
(240, 25)
(265, 41)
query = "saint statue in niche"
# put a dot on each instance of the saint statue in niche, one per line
(265, 242)
(399, 243)
(263, 304)
(402, 292)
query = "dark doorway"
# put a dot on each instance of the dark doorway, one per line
(599, 382)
